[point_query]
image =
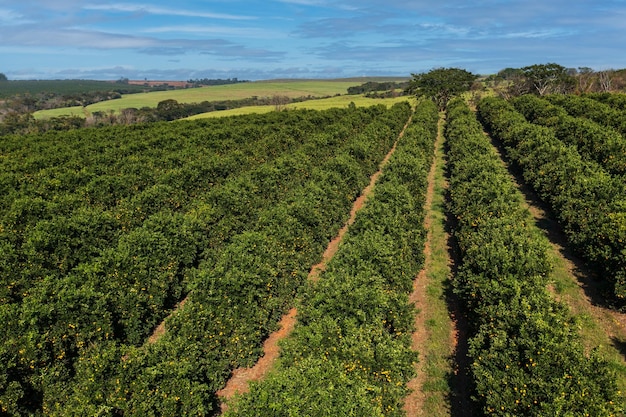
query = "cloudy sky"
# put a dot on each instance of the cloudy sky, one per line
(178, 40)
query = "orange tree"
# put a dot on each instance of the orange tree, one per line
(587, 201)
(527, 357)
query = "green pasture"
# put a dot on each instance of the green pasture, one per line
(289, 88)
(318, 104)
(65, 111)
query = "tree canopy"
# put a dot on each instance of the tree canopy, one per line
(441, 84)
(3, 77)
(542, 79)
(548, 78)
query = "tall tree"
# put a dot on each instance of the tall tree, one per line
(441, 84)
(3, 77)
(543, 79)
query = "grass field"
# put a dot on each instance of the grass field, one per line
(290, 88)
(320, 104)
(65, 111)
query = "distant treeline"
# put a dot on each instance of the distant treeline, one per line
(167, 110)
(34, 95)
(218, 81)
(31, 96)
(24, 103)
(373, 86)
(64, 87)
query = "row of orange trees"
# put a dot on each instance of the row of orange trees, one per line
(588, 201)
(66, 196)
(594, 142)
(237, 300)
(104, 230)
(350, 354)
(597, 107)
(613, 100)
(527, 359)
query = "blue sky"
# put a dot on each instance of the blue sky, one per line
(179, 40)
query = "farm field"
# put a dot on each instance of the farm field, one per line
(65, 111)
(357, 316)
(527, 358)
(587, 198)
(317, 104)
(289, 88)
(141, 265)
(10, 88)
(228, 217)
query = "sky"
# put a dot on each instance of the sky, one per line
(255, 40)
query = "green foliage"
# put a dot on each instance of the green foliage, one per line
(527, 359)
(587, 201)
(14, 122)
(350, 352)
(103, 231)
(167, 109)
(614, 100)
(594, 142)
(588, 108)
(373, 86)
(539, 79)
(542, 79)
(442, 84)
(62, 88)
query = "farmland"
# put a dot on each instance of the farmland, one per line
(207, 230)
(318, 104)
(62, 87)
(287, 88)
(116, 243)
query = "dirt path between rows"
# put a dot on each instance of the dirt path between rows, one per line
(591, 287)
(590, 297)
(241, 377)
(457, 400)
(414, 402)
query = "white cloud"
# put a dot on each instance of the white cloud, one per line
(163, 11)
(11, 17)
(41, 37)
(538, 33)
(255, 33)
(445, 28)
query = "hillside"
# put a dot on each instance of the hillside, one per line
(270, 88)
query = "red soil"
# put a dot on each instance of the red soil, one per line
(240, 378)
(414, 402)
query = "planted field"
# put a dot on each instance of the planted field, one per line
(350, 353)
(594, 110)
(141, 266)
(526, 353)
(34, 87)
(593, 141)
(587, 200)
(292, 89)
(317, 104)
(105, 231)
